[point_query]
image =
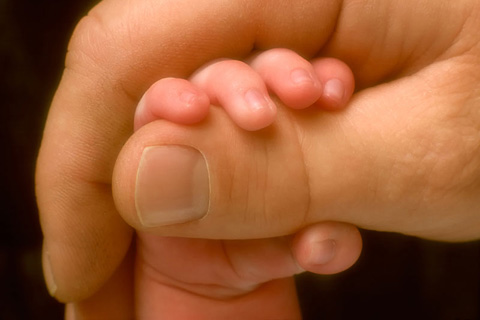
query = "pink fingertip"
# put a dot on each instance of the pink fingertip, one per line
(334, 90)
(260, 113)
(193, 108)
(257, 101)
(174, 100)
(188, 97)
(300, 76)
(142, 115)
(322, 252)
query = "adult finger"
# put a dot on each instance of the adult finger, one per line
(121, 49)
(116, 53)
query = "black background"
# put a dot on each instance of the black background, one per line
(396, 277)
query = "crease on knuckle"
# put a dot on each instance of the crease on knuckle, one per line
(87, 45)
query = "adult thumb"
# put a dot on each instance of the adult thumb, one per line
(214, 180)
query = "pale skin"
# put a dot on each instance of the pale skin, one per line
(410, 135)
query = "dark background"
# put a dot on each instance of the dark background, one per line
(396, 277)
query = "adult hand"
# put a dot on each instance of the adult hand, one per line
(403, 157)
(120, 49)
(86, 241)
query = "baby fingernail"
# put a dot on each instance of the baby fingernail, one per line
(188, 97)
(334, 89)
(257, 100)
(301, 76)
(172, 186)
(322, 252)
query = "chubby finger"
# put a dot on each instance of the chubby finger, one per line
(237, 88)
(327, 247)
(327, 83)
(172, 99)
(337, 80)
(289, 76)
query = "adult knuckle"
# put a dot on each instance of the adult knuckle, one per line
(88, 43)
